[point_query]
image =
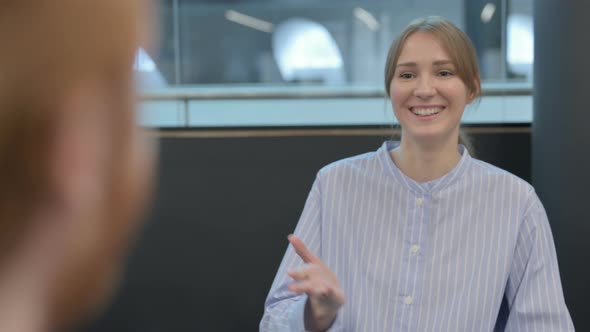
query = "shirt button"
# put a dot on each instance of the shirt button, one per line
(414, 249)
(419, 201)
(408, 300)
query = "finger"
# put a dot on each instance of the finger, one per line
(297, 287)
(334, 295)
(338, 294)
(312, 289)
(300, 274)
(319, 292)
(302, 250)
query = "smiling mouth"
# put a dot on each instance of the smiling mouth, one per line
(426, 111)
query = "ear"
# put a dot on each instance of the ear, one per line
(473, 94)
(470, 98)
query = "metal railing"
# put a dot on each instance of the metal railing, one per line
(302, 92)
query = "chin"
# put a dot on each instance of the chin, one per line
(427, 137)
(430, 134)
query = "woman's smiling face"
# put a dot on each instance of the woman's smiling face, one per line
(428, 96)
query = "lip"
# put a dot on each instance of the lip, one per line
(424, 118)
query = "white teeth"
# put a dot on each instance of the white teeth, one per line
(426, 111)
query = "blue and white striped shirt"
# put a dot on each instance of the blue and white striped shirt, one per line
(470, 251)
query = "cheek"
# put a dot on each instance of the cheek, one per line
(398, 96)
(459, 94)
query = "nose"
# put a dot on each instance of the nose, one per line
(424, 87)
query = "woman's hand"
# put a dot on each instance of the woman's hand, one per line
(325, 297)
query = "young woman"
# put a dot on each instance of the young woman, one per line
(418, 235)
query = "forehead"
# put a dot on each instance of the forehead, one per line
(422, 45)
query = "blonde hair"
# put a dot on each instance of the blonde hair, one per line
(457, 45)
(47, 49)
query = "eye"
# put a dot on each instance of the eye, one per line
(407, 75)
(445, 73)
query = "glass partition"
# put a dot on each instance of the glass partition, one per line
(267, 53)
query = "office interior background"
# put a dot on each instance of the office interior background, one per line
(250, 98)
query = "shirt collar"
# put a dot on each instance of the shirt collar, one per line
(429, 187)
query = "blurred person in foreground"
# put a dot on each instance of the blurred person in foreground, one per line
(74, 168)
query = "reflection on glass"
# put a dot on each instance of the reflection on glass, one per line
(305, 51)
(520, 45)
(147, 74)
(367, 18)
(487, 13)
(249, 21)
(331, 42)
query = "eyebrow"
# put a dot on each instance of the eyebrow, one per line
(435, 63)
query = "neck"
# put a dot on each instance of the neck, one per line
(426, 162)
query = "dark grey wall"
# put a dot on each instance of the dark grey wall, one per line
(561, 140)
(218, 228)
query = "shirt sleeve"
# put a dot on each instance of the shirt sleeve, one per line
(533, 293)
(283, 310)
